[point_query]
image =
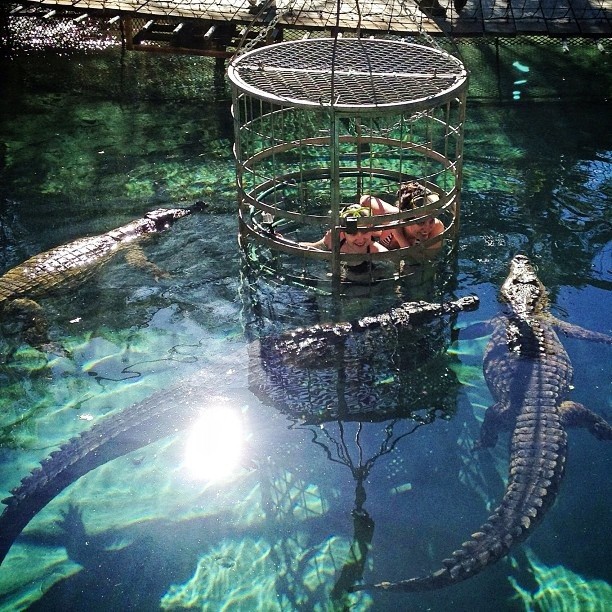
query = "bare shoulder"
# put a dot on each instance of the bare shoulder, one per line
(437, 228)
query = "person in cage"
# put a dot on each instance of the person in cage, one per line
(353, 240)
(410, 195)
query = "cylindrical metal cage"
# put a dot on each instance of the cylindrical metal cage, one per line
(320, 123)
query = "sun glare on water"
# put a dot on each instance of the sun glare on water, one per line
(214, 444)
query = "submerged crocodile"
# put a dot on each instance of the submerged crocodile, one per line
(172, 409)
(74, 262)
(529, 374)
(359, 370)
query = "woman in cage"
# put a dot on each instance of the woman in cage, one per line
(353, 240)
(409, 196)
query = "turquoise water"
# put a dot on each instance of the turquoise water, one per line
(90, 142)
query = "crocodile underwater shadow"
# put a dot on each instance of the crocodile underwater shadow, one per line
(172, 409)
(529, 375)
(67, 265)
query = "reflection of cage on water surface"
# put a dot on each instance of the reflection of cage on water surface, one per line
(322, 122)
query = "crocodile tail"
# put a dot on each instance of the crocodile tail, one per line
(535, 473)
(117, 435)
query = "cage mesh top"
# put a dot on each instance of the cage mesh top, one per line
(367, 73)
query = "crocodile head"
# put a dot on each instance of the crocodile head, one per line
(522, 289)
(163, 218)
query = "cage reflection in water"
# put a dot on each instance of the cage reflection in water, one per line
(360, 396)
(319, 123)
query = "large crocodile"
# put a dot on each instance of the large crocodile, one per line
(175, 408)
(529, 374)
(361, 370)
(74, 262)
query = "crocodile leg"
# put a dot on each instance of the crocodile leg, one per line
(25, 318)
(497, 418)
(136, 257)
(575, 331)
(574, 414)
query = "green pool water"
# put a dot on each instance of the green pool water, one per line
(91, 141)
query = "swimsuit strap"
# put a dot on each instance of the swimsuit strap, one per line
(386, 241)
